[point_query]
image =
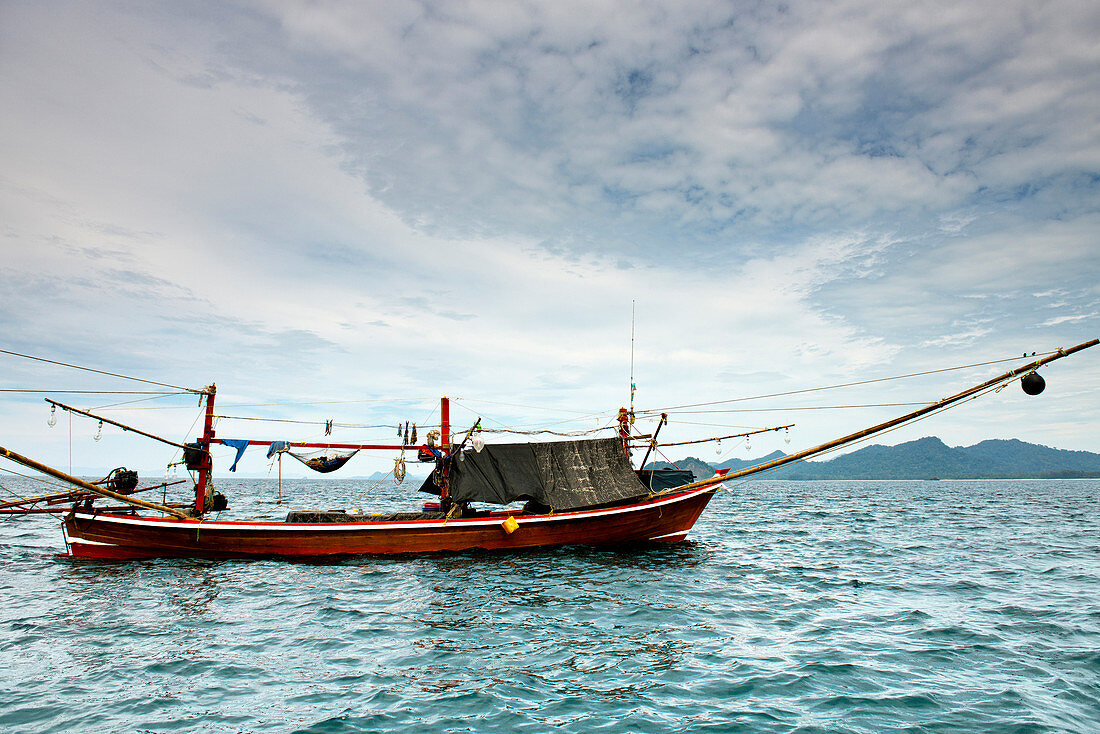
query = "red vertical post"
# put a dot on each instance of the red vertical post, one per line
(445, 438)
(624, 429)
(204, 446)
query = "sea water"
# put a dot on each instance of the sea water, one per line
(794, 607)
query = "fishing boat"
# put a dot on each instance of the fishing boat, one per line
(108, 536)
(576, 492)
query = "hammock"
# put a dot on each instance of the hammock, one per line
(320, 462)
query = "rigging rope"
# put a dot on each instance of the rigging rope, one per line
(802, 407)
(329, 402)
(993, 388)
(722, 438)
(528, 407)
(92, 392)
(21, 498)
(504, 429)
(101, 372)
(833, 387)
(131, 402)
(32, 478)
(552, 433)
(1003, 382)
(297, 403)
(371, 488)
(314, 422)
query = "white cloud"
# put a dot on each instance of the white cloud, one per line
(704, 118)
(1094, 317)
(408, 198)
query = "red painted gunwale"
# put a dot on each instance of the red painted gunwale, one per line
(667, 518)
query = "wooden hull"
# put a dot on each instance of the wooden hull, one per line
(662, 519)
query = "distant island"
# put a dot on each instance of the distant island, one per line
(925, 458)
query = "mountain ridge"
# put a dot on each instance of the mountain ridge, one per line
(926, 458)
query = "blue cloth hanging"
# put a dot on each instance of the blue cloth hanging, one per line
(277, 447)
(236, 443)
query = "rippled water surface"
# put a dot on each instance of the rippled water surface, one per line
(814, 606)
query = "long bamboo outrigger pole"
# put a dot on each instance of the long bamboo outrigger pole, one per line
(76, 481)
(891, 423)
(71, 495)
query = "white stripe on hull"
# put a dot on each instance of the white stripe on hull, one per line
(74, 541)
(378, 524)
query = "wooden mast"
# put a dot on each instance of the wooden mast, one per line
(444, 441)
(1011, 374)
(206, 463)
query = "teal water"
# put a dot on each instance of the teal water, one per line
(795, 607)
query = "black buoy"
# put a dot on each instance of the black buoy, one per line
(1033, 383)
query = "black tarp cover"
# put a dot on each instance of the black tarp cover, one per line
(660, 479)
(563, 475)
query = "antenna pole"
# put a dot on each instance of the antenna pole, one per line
(633, 387)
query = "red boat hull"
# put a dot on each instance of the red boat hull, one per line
(661, 519)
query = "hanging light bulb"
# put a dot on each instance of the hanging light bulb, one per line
(718, 446)
(99, 432)
(786, 435)
(748, 444)
(52, 420)
(477, 442)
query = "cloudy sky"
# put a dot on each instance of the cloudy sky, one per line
(346, 209)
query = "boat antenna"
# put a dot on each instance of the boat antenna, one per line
(633, 387)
